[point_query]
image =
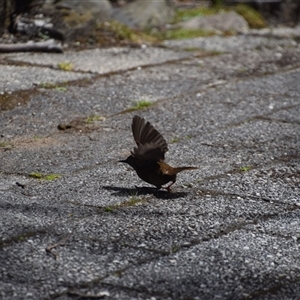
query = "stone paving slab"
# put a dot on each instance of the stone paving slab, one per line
(229, 230)
(102, 61)
(22, 78)
(231, 43)
(286, 32)
(101, 98)
(210, 270)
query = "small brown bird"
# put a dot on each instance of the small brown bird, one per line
(147, 159)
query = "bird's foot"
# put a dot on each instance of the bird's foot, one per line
(168, 188)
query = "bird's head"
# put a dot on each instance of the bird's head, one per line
(130, 161)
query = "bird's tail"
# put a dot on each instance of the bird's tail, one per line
(168, 170)
(180, 169)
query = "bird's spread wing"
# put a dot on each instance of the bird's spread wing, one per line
(148, 152)
(150, 142)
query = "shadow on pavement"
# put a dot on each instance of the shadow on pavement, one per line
(160, 194)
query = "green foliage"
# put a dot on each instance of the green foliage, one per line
(108, 209)
(141, 105)
(48, 85)
(175, 139)
(36, 175)
(65, 66)
(253, 17)
(245, 168)
(93, 119)
(175, 249)
(52, 177)
(185, 14)
(122, 32)
(133, 200)
(3, 144)
(61, 88)
(41, 176)
(115, 32)
(181, 33)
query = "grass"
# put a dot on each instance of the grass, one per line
(61, 88)
(253, 17)
(141, 104)
(186, 14)
(133, 200)
(93, 119)
(3, 144)
(175, 249)
(122, 32)
(245, 168)
(115, 33)
(179, 33)
(49, 177)
(48, 85)
(6, 146)
(175, 140)
(65, 66)
(109, 209)
(183, 15)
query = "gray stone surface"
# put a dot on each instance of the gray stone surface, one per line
(229, 230)
(145, 14)
(280, 31)
(102, 61)
(232, 43)
(26, 77)
(221, 22)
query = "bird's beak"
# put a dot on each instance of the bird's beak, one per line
(122, 161)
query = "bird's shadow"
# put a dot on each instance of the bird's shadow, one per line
(160, 194)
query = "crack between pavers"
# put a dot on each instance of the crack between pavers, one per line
(222, 232)
(201, 181)
(275, 120)
(229, 229)
(108, 74)
(272, 234)
(260, 198)
(23, 237)
(96, 281)
(274, 161)
(86, 81)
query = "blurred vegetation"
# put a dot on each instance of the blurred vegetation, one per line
(114, 33)
(65, 66)
(254, 19)
(41, 176)
(252, 16)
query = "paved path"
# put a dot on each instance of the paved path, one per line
(230, 230)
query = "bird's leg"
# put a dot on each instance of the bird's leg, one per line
(168, 188)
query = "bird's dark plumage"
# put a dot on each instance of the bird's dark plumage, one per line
(147, 159)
